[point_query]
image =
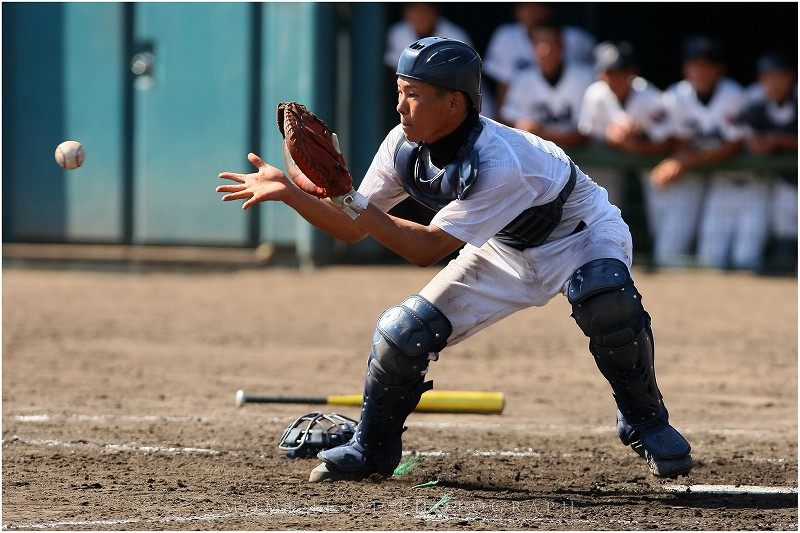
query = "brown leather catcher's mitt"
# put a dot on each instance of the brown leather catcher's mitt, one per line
(315, 151)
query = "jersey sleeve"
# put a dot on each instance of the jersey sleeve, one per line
(652, 114)
(499, 55)
(398, 37)
(592, 117)
(732, 129)
(514, 104)
(382, 185)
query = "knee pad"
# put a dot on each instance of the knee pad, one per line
(605, 303)
(405, 337)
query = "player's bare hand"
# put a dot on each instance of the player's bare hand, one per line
(666, 172)
(267, 184)
(620, 131)
(763, 144)
(529, 125)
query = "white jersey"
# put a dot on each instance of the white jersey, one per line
(530, 96)
(707, 126)
(517, 170)
(510, 50)
(644, 107)
(401, 34)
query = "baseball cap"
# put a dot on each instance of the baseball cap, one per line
(702, 47)
(773, 60)
(609, 56)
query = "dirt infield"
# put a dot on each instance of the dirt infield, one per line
(118, 407)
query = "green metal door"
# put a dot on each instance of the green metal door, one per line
(191, 99)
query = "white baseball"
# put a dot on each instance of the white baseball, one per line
(69, 155)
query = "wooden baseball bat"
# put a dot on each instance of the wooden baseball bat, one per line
(432, 401)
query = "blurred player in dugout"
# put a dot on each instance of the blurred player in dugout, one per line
(546, 99)
(623, 111)
(770, 116)
(510, 50)
(718, 216)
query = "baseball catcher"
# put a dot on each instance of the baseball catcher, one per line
(529, 224)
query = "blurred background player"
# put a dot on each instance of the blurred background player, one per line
(704, 107)
(622, 111)
(546, 100)
(420, 19)
(510, 51)
(771, 117)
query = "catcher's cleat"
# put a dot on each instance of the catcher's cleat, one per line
(666, 451)
(323, 473)
(671, 468)
(353, 458)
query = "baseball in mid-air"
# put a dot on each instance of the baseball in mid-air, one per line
(70, 155)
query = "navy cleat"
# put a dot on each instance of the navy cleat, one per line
(352, 462)
(666, 451)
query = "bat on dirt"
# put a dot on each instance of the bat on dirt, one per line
(431, 402)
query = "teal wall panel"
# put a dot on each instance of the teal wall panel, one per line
(94, 68)
(33, 122)
(301, 70)
(191, 121)
(288, 75)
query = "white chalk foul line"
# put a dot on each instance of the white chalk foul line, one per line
(211, 517)
(44, 418)
(136, 448)
(186, 450)
(528, 429)
(149, 449)
(729, 489)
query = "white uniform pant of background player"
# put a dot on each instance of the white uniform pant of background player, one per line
(783, 209)
(484, 285)
(735, 223)
(673, 214)
(612, 180)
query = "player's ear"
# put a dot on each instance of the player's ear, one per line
(456, 100)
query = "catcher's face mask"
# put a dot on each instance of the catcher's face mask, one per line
(315, 432)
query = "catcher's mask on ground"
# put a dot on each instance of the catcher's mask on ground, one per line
(444, 62)
(315, 432)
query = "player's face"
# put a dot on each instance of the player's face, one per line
(548, 48)
(425, 112)
(422, 17)
(529, 14)
(618, 81)
(777, 84)
(703, 74)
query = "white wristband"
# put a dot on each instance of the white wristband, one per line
(352, 203)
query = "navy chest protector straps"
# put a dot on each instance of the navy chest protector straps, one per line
(454, 182)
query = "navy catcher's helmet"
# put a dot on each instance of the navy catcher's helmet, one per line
(315, 432)
(444, 62)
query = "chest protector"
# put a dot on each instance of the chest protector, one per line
(454, 182)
